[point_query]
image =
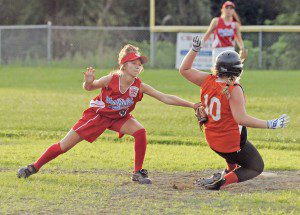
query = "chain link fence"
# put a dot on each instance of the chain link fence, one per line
(99, 46)
(276, 50)
(68, 45)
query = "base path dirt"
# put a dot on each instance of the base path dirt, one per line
(269, 180)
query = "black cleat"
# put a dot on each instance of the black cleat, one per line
(224, 172)
(218, 181)
(27, 171)
(204, 181)
(141, 177)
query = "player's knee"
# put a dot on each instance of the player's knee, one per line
(260, 167)
(139, 132)
(66, 145)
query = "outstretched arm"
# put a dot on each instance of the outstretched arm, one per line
(213, 25)
(166, 98)
(193, 75)
(238, 38)
(90, 83)
(237, 106)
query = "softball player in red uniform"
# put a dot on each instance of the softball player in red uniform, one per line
(111, 109)
(226, 119)
(226, 29)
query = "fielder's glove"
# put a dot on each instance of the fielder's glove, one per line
(201, 115)
(197, 44)
(243, 54)
(280, 122)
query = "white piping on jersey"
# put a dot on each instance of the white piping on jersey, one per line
(240, 128)
(120, 85)
(86, 122)
(98, 110)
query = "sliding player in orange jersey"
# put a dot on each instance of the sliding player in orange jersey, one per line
(120, 91)
(225, 119)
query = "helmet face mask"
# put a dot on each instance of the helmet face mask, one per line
(229, 64)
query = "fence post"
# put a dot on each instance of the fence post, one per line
(152, 48)
(0, 46)
(260, 49)
(49, 42)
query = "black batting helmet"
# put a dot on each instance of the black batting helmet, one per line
(228, 64)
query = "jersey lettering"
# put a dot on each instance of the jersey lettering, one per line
(209, 110)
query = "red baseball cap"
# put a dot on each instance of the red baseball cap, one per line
(133, 56)
(228, 3)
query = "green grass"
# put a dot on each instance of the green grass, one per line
(39, 105)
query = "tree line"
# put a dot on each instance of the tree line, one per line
(136, 12)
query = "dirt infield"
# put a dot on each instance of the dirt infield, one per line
(271, 180)
(112, 191)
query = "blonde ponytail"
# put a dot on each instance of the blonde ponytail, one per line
(236, 18)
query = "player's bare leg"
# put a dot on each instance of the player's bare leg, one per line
(69, 141)
(135, 129)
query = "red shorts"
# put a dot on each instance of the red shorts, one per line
(92, 125)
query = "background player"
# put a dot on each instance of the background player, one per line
(226, 29)
(120, 91)
(224, 104)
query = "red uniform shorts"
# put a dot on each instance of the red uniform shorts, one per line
(92, 125)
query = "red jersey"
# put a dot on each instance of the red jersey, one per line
(224, 34)
(113, 103)
(222, 132)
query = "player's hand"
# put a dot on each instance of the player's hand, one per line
(243, 54)
(89, 75)
(201, 115)
(280, 122)
(196, 105)
(197, 43)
